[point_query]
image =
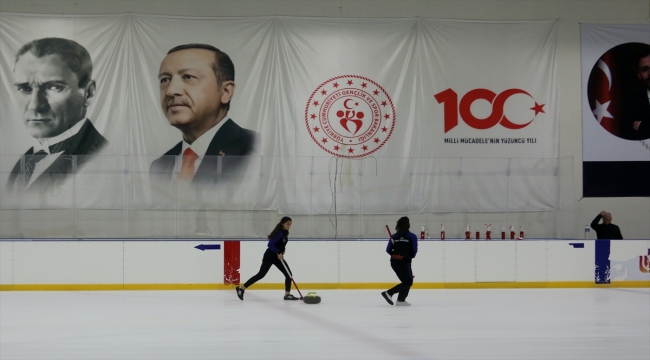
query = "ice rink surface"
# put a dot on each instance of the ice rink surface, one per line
(606, 323)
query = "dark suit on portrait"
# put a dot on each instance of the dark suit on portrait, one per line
(87, 142)
(637, 108)
(226, 156)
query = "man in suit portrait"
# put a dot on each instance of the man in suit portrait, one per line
(53, 79)
(636, 123)
(197, 82)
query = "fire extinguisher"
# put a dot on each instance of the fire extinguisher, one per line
(512, 232)
(442, 232)
(422, 232)
(521, 233)
(488, 233)
(466, 232)
(478, 233)
(503, 233)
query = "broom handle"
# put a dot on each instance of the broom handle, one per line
(390, 236)
(291, 275)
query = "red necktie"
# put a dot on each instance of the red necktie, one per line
(187, 167)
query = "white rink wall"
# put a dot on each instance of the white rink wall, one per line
(330, 264)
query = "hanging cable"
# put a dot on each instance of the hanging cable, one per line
(333, 191)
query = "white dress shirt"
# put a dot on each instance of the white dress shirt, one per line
(199, 146)
(45, 143)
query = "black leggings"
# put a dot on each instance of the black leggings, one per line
(271, 258)
(405, 275)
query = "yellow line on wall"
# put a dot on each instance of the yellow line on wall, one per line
(326, 286)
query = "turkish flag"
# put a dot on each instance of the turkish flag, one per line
(606, 94)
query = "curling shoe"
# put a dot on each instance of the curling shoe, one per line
(240, 292)
(402, 303)
(290, 297)
(388, 298)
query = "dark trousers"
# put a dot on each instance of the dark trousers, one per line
(405, 275)
(270, 258)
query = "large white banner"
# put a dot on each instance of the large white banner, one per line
(615, 110)
(396, 115)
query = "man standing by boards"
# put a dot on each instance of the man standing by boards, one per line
(606, 230)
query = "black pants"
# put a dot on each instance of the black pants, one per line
(405, 275)
(270, 258)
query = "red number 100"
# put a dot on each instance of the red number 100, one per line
(449, 99)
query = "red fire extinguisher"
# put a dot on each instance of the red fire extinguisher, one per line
(512, 232)
(521, 233)
(466, 232)
(503, 233)
(478, 234)
(422, 232)
(442, 232)
(488, 233)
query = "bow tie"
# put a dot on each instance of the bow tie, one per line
(60, 146)
(64, 145)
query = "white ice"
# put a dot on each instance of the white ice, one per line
(520, 324)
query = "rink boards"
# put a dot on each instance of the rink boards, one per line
(116, 264)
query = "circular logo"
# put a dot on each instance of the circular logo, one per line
(617, 90)
(350, 116)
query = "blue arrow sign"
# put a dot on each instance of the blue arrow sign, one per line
(204, 247)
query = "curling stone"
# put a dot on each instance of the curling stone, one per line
(312, 298)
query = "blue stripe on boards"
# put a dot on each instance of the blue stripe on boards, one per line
(602, 261)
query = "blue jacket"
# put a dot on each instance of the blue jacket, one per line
(278, 242)
(405, 247)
